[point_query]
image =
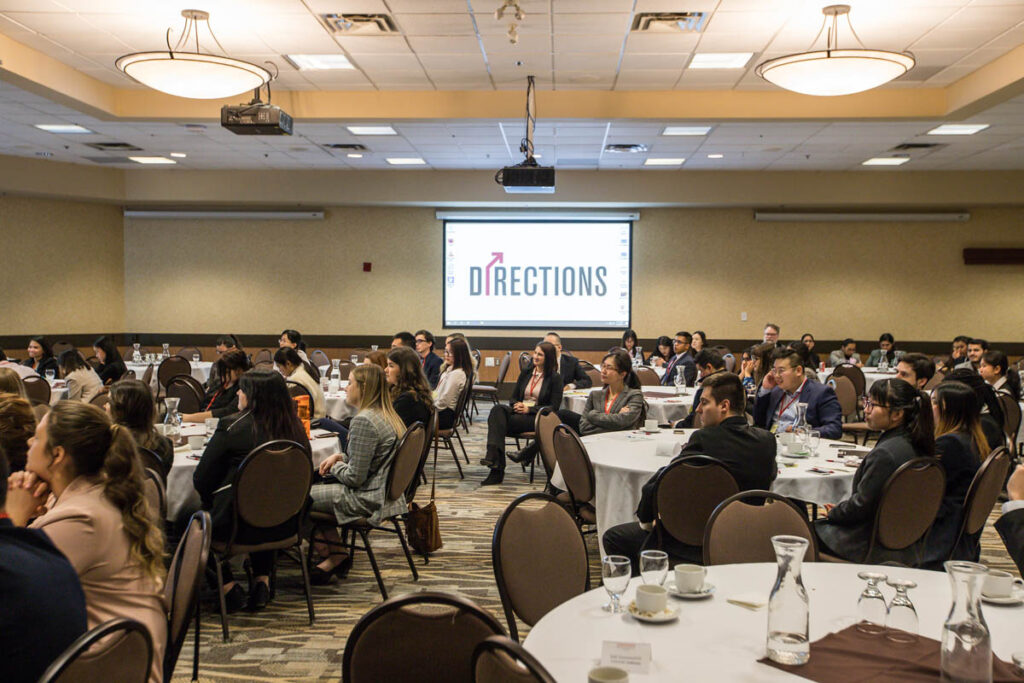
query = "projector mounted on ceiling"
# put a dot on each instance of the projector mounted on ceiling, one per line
(256, 118)
(527, 177)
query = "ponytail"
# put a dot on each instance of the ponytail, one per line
(631, 380)
(917, 412)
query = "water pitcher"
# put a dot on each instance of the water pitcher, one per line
(788, 608)
(966, 642)
(172, 420)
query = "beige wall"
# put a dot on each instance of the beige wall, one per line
(61, 267)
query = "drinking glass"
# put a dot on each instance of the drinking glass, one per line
(167, 350)
(615, 573)
(354, 358)
(211, 426)
(50, 376)
(195, 358)
(813, 441)
(679, 379)
(653, 567)
(871, 609)
(901, 620)
(800, 437)
(373, 347)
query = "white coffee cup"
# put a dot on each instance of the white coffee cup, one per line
(651, 425)
(196, 442)
(690, 578)
(607, 674)
(651, 598)
(999, 584)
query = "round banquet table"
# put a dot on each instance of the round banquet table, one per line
(871, 375)
(714, 640)
(664, 404)
(200, 370)
(182, 495)
(337, 407)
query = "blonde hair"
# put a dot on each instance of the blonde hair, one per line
(374, 395)
(10, 383)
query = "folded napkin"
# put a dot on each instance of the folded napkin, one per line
(182, 449)
(751, 601)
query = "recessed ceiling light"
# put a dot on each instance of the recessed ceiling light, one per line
(153, 160)
(958, 129)
(720, 60)
(664, 162)
(537, 156)
(686, 130)
(314, 62)
(178, 155)
(371, 130)
(63, 128)
(354, 156)
(885, 161)
(405, 161)
(715, 156)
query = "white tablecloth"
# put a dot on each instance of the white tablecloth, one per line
(664, 409)
(337, 408)
(714, 640)
(181, 494)
(200, 370)
(871, 375)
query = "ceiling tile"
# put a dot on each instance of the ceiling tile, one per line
(591, 24)
(582, 61)
(436, 24)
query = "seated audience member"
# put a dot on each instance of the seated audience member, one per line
(410, 394)
(995, 369)
(404, 339)
(991, 412)
(222, 400)
(293, 340)
(43, 604)
(290, 364)
(358, 487)
(131, 406)
(617, 405)
(40, 357)
(745, 371)
(800, 349)
(431, 361)
(630, 344)
(846, 354)
(17, 425)
(538, 386)
(378, 358)
(15, 367)
(785, 387)
(961, 448)
(808, 340)
(771, 334)
(82, 381)
(573, 374)
(709, 363)
(10, 382)
(681, 361)
(976, 348)
(886, 349)
(958, 357)
(904, 416)
(747, 452)
(100, 520)
(1011, 524)
(452, 383)
(112, 367)
(915, 368)
(459, 335)
(698, 343)
(227, 342)
(662, 352)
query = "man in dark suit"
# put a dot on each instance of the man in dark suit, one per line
(747, 452)
(431, 361)
(709, 362)
(1011, 525)
(43, 605)
(786, 387)
(682, 361)
(573, 375)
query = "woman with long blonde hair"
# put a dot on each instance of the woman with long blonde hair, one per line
(355, 485)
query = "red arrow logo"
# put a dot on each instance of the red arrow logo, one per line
(499, 257)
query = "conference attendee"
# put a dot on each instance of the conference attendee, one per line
(43, 605)
(699, 342)
(846, 354)
(630, 344)
(10, 381)
(267, 414)
(709, 362)
(771, 333)
(131, 406)
(976, 348)
(808, 340)
(17, 425)
(112, 366)
(1011, 524)
(17, 368)
(40, 356)
(431, 361)
(358, 484)
(410, 393)
(100, 519)
(538, 386)
(573, 374)
(991, 412)
(617, 405)
(293, 339)
(378, 358)
(227, 342)
(915, 368)
(961, 447)
(681, 362)
(403, 339)
(747, 452)
(887, 350)
(786, 387)
(995, 369)
(958, 358)
(800, 349)
(222, 400)
(904, 417)
(745, 371)
(82, 381)
(459, 335)
(293, 369)
(662, 352)
(452, 384)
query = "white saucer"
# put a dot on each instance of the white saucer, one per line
(706, 592)
(670, 613)
(1016, 598)
(798, 456)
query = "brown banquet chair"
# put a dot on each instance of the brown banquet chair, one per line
(740, 531)
(686, 493)
(648, 377)
(187, 352)
(502, 660)
(578, 473)
(37, 389)
(171, 367)
(119, 650)
(981, 497)
(181, 590)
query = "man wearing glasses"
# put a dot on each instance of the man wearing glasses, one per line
(682, 361)
(785, 387)
(431, 361)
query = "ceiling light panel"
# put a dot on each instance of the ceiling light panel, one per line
(63, 129)
(686, 130)
(958, 129)
(406, 161)
(720, 60)
(885, 161)
(153, 160)
(371, 130)
(319, 62)
(666, 161)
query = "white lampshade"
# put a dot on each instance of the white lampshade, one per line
(835, 72)
(194, 75)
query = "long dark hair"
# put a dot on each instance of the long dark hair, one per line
(295, 337)
(461, 358)
(287, 354)
(960, 411)
(231, 360)
(410, 375)
(622, 363)
(898, 394)
(662, 341)
(703, 339)
(43, 342)
(131, 405)
(71, 360)
(273, 410)
(986, 394)
(550, 358)
(630, 334)
(229, 340)
(998, 359)
(109, 349)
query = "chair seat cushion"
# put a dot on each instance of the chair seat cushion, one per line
(484, 389)
(239, 549)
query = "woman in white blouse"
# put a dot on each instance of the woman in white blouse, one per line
(291, 366)
(452, 383)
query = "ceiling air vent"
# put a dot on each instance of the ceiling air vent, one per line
(113, 146)
(347, 146)
(359, 24)
(108, 160)
(917, 146)
(670, 22)
(625, 149)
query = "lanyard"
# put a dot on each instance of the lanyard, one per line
(214, 398)
(533, 382)
(784, 405)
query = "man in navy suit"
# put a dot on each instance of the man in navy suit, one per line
(785, 387)
(683, 359)
(1011, 525)
(431, 361)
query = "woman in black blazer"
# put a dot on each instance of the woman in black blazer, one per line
(410, 392)
(40, 357)
(112, 366)
(267, 413)
(538, 386)
(222, 400)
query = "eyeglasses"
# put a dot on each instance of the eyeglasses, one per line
(868, 404)
(779, 370)
(421, 341)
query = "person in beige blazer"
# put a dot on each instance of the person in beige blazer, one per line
(99, 518)
(83, 382)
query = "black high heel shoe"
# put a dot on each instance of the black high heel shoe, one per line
(319, 577)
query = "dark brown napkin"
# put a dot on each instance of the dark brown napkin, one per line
(659, 394)
(850, 656)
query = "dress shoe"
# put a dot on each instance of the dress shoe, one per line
(259, 596)
(234, 599)
(319, 577)
(495, 477)
(519, 457)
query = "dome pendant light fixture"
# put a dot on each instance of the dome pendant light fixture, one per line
(833, 71)
(197, 75)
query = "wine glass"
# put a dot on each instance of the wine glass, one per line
(871, 609)
(901, 620)
(374, 347)
(354, 358)
(195, 358)
(653, 567)
(51, 375)
(615, 574)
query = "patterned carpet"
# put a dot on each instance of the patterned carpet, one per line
(278, 644)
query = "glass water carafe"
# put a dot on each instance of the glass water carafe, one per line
(136, 354)
(172, 420)
(788, 607)
(167, 350)
(966, 641)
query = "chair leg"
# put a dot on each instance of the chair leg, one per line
(405, 549)
(450, 446)
(533, 462)
(305, 580)
(373, 563)
(195, 652)
(464, 454)
(220, 597)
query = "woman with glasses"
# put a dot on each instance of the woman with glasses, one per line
(617, 405)
(452, 383)
(904, 416)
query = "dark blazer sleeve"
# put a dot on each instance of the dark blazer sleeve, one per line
(432, 367)
(762, 407)
(577, 375)
(1011, 529)
(111, 372)
(829, 414)
(860, 507)
(550, 394)
(214, 466)
(225, 403)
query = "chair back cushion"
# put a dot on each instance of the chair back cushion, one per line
(502, 660)
(405, 463)
(984, 490)
(273, 483)
(503, 368)
(156, 497)
(741, 528)
(846, 394)
(855, 374)
(909, 503)
(574, 463)
(648, 377)
(119, 650)
(189, 401)
(183, 583)
(1011, 416)
(37, 389)
(544, 432)
(687, 492)
(171, 367)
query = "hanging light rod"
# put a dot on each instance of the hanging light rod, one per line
(833, 71)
